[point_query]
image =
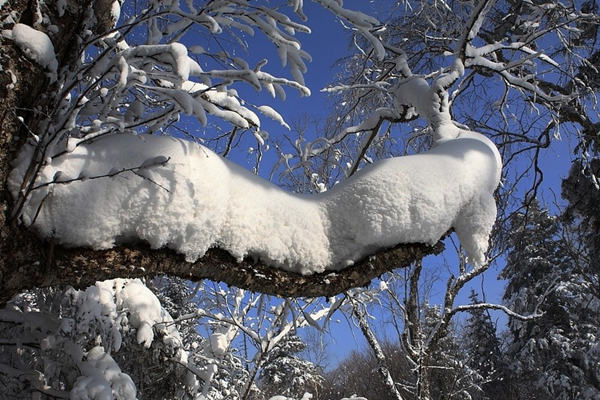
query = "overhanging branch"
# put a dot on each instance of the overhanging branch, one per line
(83, 267)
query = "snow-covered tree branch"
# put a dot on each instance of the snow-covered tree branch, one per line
(122, 127)
(95, 171)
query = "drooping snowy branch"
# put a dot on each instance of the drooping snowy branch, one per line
(364, 24)
(124, 82)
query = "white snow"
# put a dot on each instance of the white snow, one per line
(274, 115)
(36, 45)
(61, 7)
(383, 285)
(102, 379)
(143, 307)
(416, 92)
(110, 303)
(115, 11)
(96, 306)
(198, 200)
(102, 313)
(219, 343)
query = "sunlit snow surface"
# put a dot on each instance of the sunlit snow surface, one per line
(198, 200)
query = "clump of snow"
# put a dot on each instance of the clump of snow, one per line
(144, 308)
(219, 343)
(96, 307)
(115, 11)
(430, 102)
(61, 7)
(198, 200)
(105, 310)
(383, 285)
(101, 378)
(109, 302)
(274, 115)
(36, 45)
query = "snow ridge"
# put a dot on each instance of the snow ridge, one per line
(113, 190)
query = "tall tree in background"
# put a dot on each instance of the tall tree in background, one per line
(581, 189)
(553, 355)
(484, 353)
(285, 373)
(444, 375)
(450, 376)
(358, 374)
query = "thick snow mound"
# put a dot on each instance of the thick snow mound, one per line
(36, 45)
(174, 193)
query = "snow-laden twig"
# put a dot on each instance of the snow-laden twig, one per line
(363, 23)
(491, 306)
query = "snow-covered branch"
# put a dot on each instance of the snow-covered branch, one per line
(491, 306)
(327, 233)
(366, 25)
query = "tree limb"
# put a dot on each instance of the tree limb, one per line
(27, 262)
(82, 267)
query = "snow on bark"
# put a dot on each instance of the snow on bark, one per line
(196, 200)
(36, 45)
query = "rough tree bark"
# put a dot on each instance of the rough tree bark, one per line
(27, 261)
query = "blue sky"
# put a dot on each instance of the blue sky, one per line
(328, 42)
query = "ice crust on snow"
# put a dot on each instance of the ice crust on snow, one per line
(36, 45)
(198, 200)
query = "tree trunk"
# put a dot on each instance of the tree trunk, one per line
(423, 379)
(27, 261)
(24, 88)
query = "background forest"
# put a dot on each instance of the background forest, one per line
(526, 325)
